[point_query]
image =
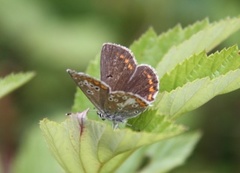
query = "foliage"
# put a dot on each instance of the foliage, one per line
(13, 81)
(189, 76)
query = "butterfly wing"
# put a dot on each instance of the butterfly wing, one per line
(144, 82)
(94, 89)
(121, 106)
(117, 66)
(120, 71)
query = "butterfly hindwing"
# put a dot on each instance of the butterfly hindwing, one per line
(144, 83)
(121, 105)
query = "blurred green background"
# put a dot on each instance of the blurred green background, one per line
(49, 36)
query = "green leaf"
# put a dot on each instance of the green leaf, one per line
(206, 39)
(151, 121)
(200, 66)
(196, 93)
(173, 103)
(93, 68)
(146, 49)
(13, 81)
(151, 48)
(78, 143)
(161, 156)
(197, 80)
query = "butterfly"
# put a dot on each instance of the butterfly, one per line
(125, 89)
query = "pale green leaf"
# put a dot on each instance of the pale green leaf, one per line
(161, 156)
(13, 81)
(196, 93)
(173, 103)
(78, 143)
(93, 68)
(145, 49)
(206, 39)
(152, 121)
(151, 48)
(200, 66)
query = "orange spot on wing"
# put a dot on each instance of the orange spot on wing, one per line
(149, 76)
(126, 61)
(122, 56)
(130, 66)
(96, 82)
(150, 81)
(141, 103)
(103, 87)
(151, 89)
(150, 97)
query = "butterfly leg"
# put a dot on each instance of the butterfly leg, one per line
(115, 125)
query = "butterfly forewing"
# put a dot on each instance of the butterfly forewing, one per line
(117, 66)
(94, 89)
